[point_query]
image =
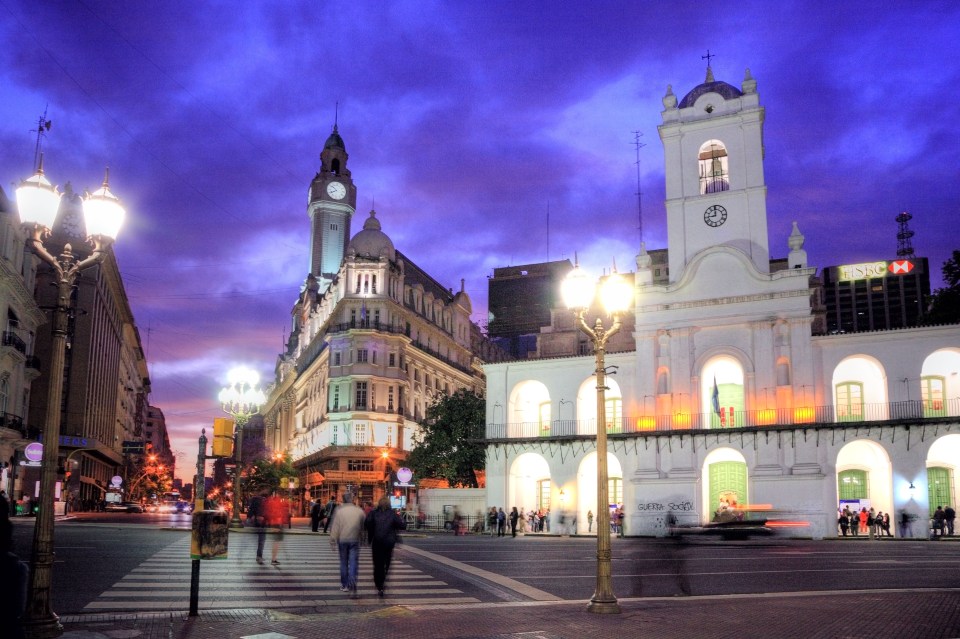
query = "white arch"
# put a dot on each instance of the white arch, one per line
(715, 456)
(868, 371)
(725, 369)
(584, 492)
(525, 472)
(870, 456)
(587, 402)
(945, 363)
(528, 409)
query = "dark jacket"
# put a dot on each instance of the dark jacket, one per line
(382, 527)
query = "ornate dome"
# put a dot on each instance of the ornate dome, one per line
(371, 242)
(726, 91)
(334, 141)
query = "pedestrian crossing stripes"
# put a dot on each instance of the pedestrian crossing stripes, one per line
(308, 574)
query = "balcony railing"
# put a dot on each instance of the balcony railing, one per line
(33, 362)
(686, 421)
(11, 339)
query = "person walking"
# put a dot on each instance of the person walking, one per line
(316, 513)
(255, 517)
(501, 522)
(514, 516)
(844, 521)
(589, 521)
(328, 513)
(345, 537)
(382, 526)
(937, 522)
(275, 515)
(949, 515)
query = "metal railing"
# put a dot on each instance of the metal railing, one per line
(13, 340)
(726, 419)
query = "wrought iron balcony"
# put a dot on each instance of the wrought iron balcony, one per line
(908, 411)
(12, 340)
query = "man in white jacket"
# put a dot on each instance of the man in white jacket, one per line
(345, 534)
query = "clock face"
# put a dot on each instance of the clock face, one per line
(715, 215)
(336, 190)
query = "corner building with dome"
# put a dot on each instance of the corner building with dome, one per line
(374, 339)
(728, 392)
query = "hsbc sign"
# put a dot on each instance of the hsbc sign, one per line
(872, 270)
(900, 267)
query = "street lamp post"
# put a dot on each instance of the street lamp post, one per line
(616, 295)
(38, 202)
(240, 399)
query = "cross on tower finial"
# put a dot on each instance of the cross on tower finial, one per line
(336, 113)
(708, 57)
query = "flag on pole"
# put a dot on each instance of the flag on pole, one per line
(716, 396)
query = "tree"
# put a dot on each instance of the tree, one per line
(446, 446)
(265, 474)
(945, 302)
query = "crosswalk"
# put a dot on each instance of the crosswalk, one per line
(308, 575)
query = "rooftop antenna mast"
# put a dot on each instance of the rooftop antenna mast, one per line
(904, 236)
(43, 125)
(548, 230)
(639, 145)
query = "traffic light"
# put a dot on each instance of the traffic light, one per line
(223, 437)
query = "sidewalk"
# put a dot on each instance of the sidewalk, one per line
(826, 615)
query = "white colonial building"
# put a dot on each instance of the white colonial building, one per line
(728, 390)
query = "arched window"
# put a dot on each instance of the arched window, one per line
(714, 168)
(850, 402)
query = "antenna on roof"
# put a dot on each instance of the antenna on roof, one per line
(43, 125)
(639, 145)
(904, 235)
(548, 230)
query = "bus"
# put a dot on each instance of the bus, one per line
(169, 502)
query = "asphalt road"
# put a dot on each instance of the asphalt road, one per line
(94, 552)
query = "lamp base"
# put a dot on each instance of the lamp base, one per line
(609, 607)
(44, 628)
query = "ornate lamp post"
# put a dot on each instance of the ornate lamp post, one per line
(38, 202)
(240, 399)
(616, 295)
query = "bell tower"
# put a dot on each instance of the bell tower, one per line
(332, 201)
(715, 189)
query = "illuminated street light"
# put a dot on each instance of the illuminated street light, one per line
(240, 399)
(579, 291)
(38, 202)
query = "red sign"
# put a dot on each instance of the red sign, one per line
(900, 267)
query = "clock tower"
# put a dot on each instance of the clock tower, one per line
(715, 190)
(332, 201)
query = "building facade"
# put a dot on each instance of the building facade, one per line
(726, 389)
(876, 295)
(106, 383)
(19, 366)
(373, 341)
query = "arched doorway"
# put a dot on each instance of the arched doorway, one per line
(727, 487)
(530, 486)
(942, 461)
(864, 478)
(585, 500)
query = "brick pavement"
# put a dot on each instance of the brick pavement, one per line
(827, 615)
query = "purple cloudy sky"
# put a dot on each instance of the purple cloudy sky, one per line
(466, 122)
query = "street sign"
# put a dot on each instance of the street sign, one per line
(132, 448)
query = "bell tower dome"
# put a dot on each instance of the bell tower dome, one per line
(715, 189)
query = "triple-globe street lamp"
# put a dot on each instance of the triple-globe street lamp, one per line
(579, 291)
(38, 202)
(240, 399)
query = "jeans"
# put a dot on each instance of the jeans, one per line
(349, 563)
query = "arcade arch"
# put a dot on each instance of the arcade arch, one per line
(865, 477)
(585, 498)
(859, 391)
(530, 485)
(587, 406)
(721, 392)
(725, 482)
(943, 459)
(529, 411)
